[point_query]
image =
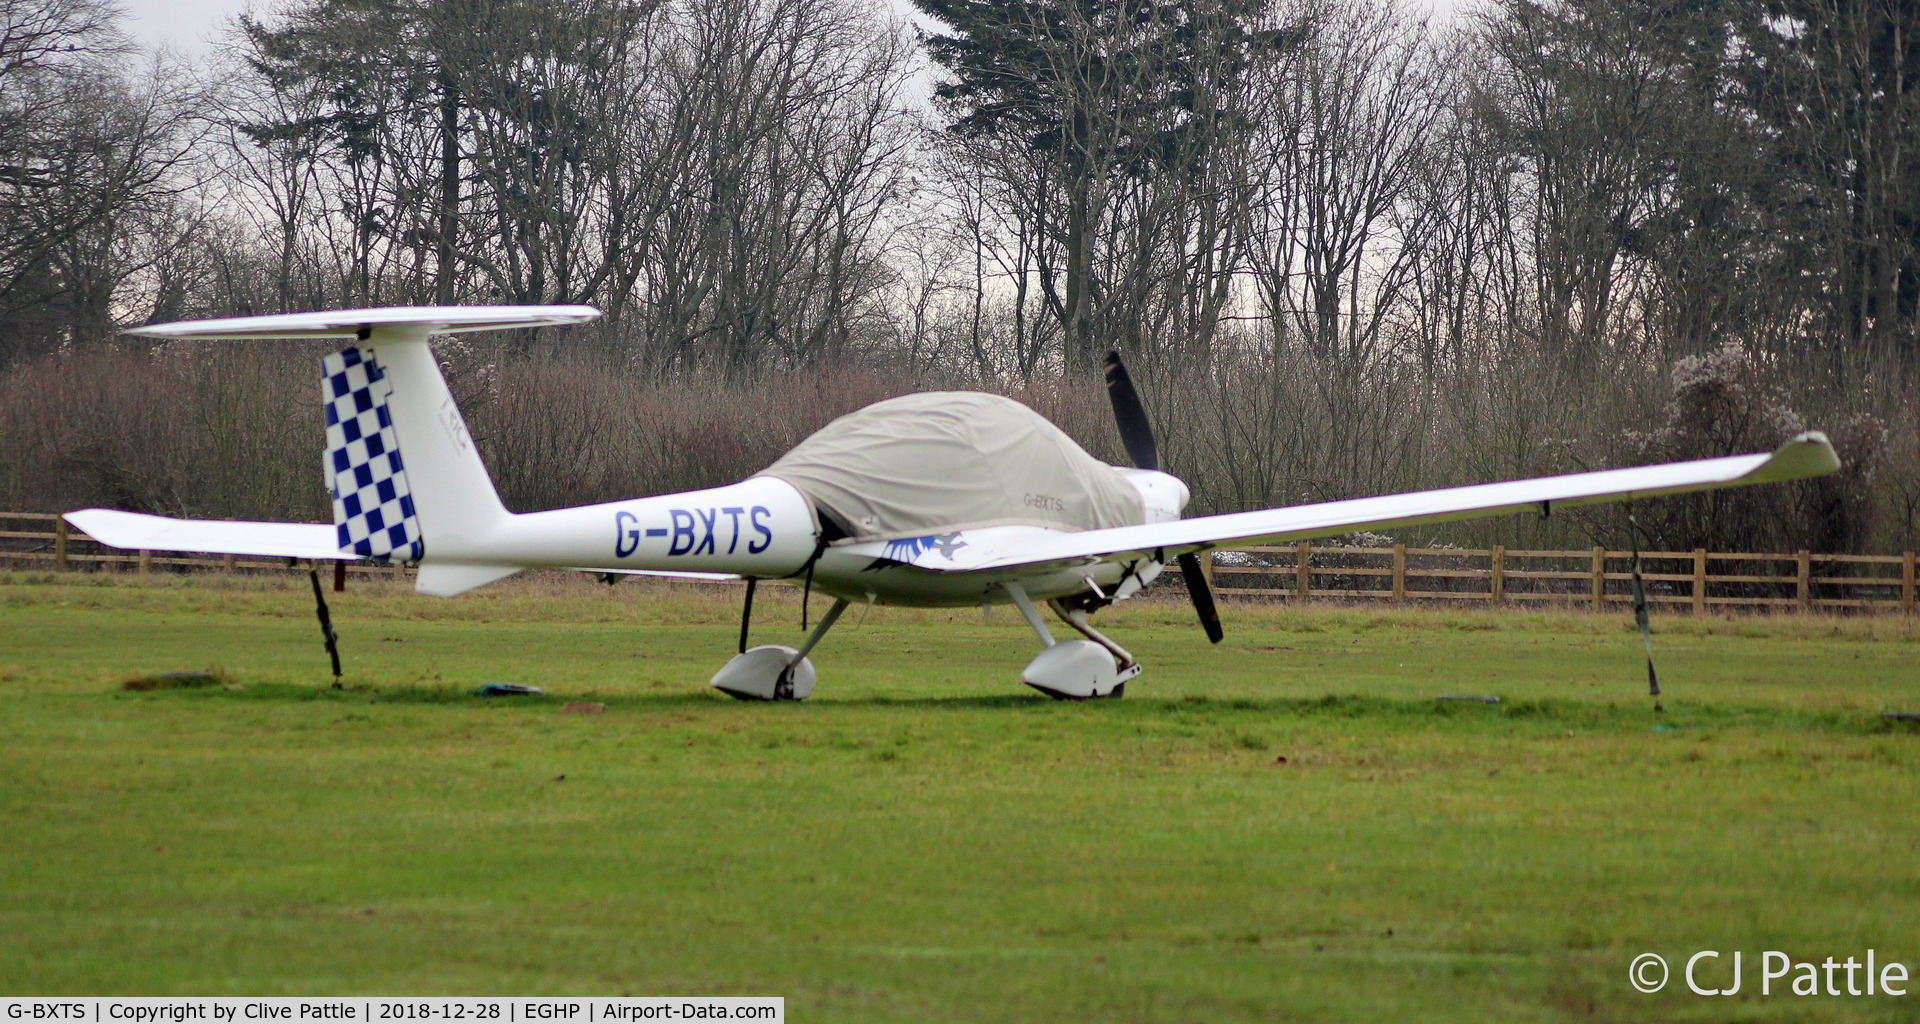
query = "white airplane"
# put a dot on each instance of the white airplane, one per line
(932, 499)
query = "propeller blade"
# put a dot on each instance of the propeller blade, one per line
(1136, 433)
(1202, 593)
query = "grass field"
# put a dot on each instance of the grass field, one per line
(1284, 827)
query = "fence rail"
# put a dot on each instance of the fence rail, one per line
(1594, 577)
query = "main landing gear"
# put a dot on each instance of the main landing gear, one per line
(1073, 669)
(773, 671)
(1064, 669)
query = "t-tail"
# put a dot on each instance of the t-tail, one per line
(387, 493)
(407, 482)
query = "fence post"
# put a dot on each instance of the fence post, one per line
(1906, 583)
(1699, 582)
(145, 563)
(1599, 578)
(226, 562)
(1303, 578)
(1803, 585)
(60, 545)
(1400, 572)
(1497, 593)
(1206, 567)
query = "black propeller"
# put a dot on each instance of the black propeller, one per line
(1136, 433)
(1202, 593)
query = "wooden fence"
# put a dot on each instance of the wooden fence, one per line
(1592, 578)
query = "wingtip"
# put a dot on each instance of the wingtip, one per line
(1807, 454)
(76, 516)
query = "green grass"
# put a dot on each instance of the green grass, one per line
(927, 840)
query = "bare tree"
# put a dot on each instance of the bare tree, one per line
(39, 37)
(762, 234)
(87, 155)
(1339, 224)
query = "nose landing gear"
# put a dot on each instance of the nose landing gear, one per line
(1077, 670)
(775, 671)
(1073, 669)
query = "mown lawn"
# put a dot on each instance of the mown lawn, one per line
(1284, 827)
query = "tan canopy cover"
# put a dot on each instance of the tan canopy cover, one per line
(940, 461)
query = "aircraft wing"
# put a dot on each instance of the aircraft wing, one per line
(136, 531)
(1807, 455)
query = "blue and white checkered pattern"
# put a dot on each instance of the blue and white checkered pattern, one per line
(372, 505)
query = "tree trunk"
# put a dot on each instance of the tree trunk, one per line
(449, 190)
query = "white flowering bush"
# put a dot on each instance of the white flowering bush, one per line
(1723, 403)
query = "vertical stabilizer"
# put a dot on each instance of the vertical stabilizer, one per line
(373, 511)
(406, 480)
(451, 496)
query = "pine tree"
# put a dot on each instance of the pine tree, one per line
(1094, 91)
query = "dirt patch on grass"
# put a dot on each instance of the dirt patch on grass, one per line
(179, 680)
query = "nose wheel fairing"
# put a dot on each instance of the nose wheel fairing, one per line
(1077, 670)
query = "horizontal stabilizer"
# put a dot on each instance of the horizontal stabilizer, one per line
(138, 532)
(357, 323)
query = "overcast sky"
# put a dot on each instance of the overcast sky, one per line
(185, 23)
